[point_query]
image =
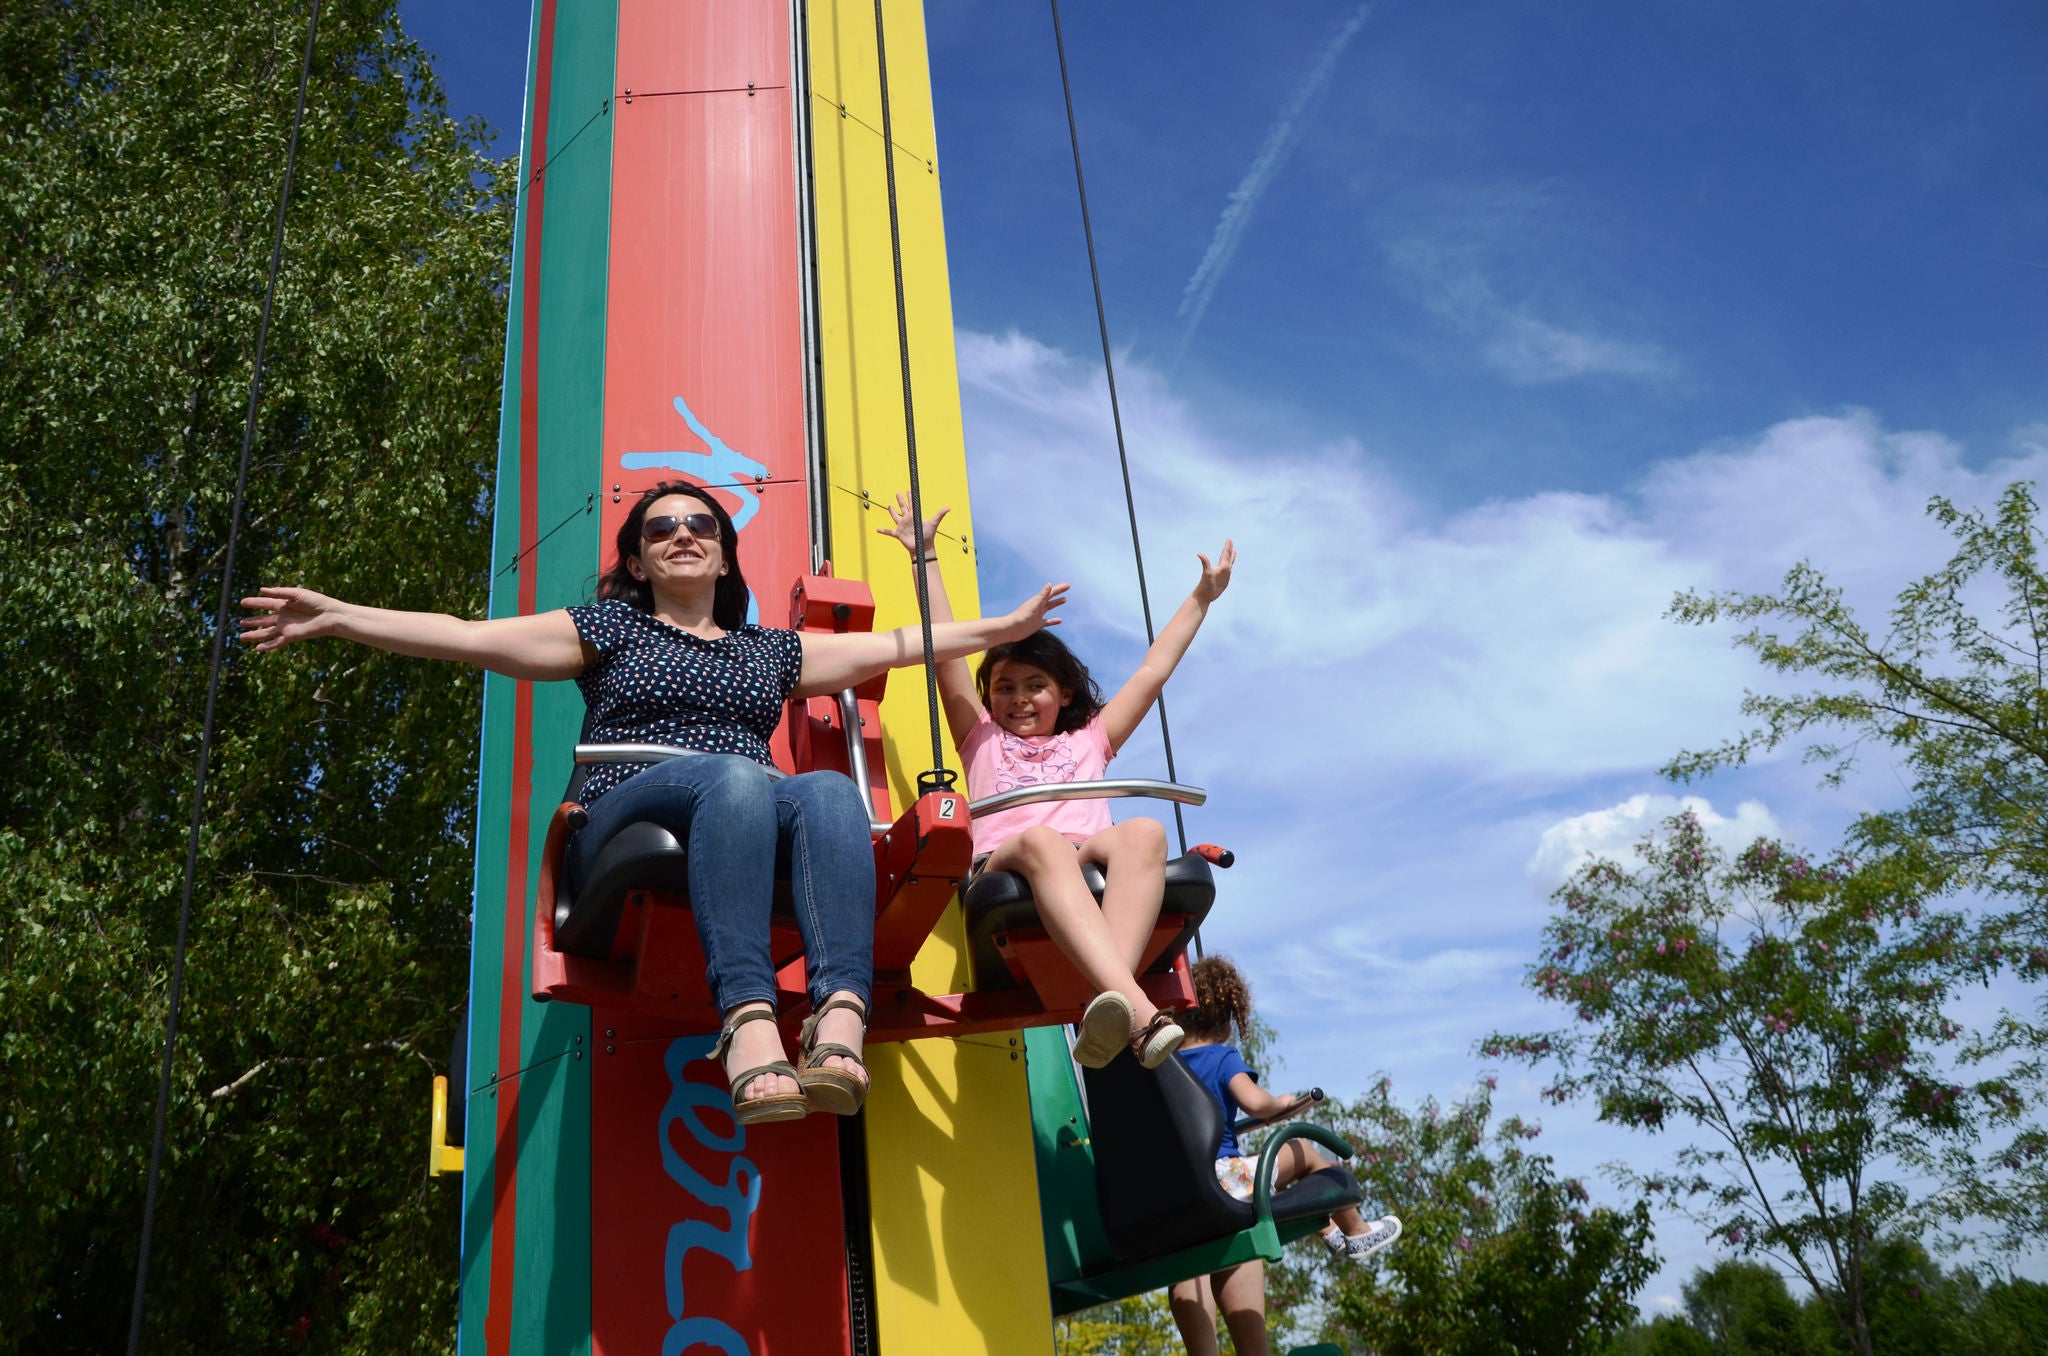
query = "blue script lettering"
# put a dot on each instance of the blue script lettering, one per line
(736, 1198)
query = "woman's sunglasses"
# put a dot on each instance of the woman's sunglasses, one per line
(700, 525)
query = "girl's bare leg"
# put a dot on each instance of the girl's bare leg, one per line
(1194, 1313)
(1242, 1290)
(1297, 1160)
(1067, 908)
(1133, 855)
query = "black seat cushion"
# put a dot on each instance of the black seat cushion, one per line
(1155, 1133)
(641, 856)
(996, 902)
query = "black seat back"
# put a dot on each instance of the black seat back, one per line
(1154, 1133)
(641, 856)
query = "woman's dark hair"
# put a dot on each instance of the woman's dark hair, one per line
(1221, 998)
(728, 597)
(1044, 650)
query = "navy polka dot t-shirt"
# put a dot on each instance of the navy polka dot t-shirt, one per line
(656, 684)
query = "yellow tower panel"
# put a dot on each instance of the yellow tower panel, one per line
(959, 1261)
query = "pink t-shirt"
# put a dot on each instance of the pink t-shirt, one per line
(1000, 761)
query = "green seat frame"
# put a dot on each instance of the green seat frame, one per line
(1082, 1266)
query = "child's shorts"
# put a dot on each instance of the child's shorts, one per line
(1234, 1175)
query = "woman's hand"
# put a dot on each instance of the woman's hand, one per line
(539, 647)
(904, 528)
(1033, 614)
(1215, 578)
(283, 616)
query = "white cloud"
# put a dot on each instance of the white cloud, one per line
(1518, 643)
(1522, 346)
(1484, 260)
(1402, 713)
(1613, 833)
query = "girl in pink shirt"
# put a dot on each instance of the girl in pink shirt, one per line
(1031, 715)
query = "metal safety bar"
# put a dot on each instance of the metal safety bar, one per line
(857, 753)
(647, 753)
(1105, 790)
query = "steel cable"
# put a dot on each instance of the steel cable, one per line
(220, 632)
(1115, 411)
(940, 778)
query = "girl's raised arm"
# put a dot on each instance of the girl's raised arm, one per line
(956, 686)
(835, 662)
(540, 648)
(1121, 714)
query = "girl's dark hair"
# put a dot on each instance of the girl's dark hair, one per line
(1044, 650)
(1221, 998)
(728, 598)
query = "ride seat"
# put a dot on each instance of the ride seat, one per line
(641, 859)
(1155, 1133)
(998, 904)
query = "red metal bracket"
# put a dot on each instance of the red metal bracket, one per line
(919, 864)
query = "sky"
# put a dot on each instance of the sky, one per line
(1483, 330)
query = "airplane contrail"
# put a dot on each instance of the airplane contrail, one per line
(1237, 213)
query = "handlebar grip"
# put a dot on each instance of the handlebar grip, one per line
(1218, 856)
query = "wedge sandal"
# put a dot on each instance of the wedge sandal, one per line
(777, 1106)
(831, 1089)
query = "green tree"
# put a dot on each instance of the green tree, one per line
(1665, 1335)
(1498, 1254)
(2012, 1318)
(1794, 1013)
(1139, 1326)
(1744, 1309)
(1954, 690)
(141, 152)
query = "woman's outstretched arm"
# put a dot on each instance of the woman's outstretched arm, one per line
(956, 686)
(541, 648)
(836, 662)
(1121, 714)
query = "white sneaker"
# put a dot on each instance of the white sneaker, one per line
(1105, 1030)
(1378, 1235)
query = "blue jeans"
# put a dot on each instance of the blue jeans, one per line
(739, 827)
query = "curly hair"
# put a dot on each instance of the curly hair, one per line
(1044, 650)
(1222, 998)
(729, 596)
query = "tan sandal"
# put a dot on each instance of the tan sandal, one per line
(830, 1088)
(1157, 1039)
(774, 1106)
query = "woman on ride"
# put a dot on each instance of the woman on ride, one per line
(1033, 716)
(666, 656)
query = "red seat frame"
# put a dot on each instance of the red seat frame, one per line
(657, 963)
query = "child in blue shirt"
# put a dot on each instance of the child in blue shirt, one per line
(1224, 1000)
